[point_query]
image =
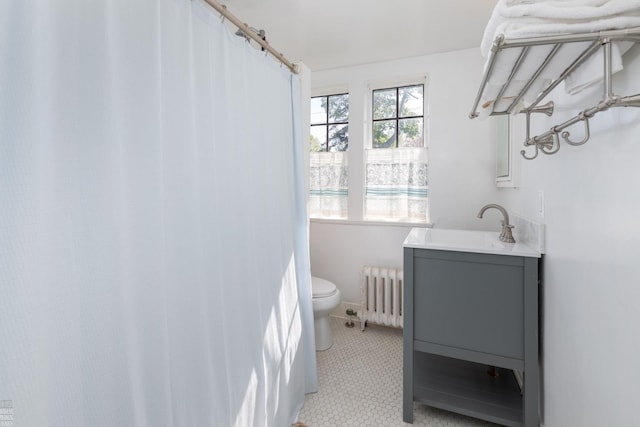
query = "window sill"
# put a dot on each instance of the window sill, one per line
(374, 223)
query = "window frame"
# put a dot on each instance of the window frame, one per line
(360, 138)
(327, 123)
(396, 118)
(386, 83)
(405, 81)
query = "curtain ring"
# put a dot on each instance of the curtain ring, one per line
(222, 16)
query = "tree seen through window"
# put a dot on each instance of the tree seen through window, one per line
(398, 117)
(330, 123)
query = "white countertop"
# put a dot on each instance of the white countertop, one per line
(485, 242)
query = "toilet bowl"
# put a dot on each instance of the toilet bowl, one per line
(326, 297)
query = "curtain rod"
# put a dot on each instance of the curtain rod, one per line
(222, 9)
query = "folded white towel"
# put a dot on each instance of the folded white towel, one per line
(574, 10)
(544, 18)
(590, 72)
(503, 67)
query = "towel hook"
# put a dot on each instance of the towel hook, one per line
(565, 135)
(523, 153)
(527, 138)
(555, 143)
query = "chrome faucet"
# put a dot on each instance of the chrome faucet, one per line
(506, 235)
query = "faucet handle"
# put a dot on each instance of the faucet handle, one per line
(506, 235)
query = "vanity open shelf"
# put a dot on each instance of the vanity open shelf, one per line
(464, 387)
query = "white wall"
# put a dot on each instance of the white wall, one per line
(461, 163)
(591, 296)
(339, 250)
(591, 342)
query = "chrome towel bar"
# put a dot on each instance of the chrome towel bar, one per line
(549, 141)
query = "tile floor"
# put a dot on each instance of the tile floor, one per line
(360, 383)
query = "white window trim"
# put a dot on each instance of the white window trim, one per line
(330, 90)
(393, 83)
(376, 223)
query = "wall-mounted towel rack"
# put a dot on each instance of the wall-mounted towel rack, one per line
(503, 90)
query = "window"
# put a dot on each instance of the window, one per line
(388, 154)
(330, 123)
(329, 140)
(398, 119)
(396, 163)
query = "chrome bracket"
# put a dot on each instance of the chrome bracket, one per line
(549, 142)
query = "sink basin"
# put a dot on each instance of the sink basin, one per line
(460, 237)
(466, 241)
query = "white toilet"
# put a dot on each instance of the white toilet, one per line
(326, 297)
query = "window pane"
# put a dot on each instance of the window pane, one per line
(319, 110)
(410, 133)
(384, 104)
(384, 134)
(411, 100)
(338, 108)
(338, 137)
(318, 138)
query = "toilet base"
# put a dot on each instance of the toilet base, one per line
(322, 327)
(325, 299)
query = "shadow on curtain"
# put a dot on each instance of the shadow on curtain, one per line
(154, 262)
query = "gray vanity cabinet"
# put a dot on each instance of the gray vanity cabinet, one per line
(469, 320)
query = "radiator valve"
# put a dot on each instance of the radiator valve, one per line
(351, 313)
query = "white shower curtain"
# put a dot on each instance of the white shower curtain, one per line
(154, 262)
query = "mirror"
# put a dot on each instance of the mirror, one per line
(506, 161)
(502, 147)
